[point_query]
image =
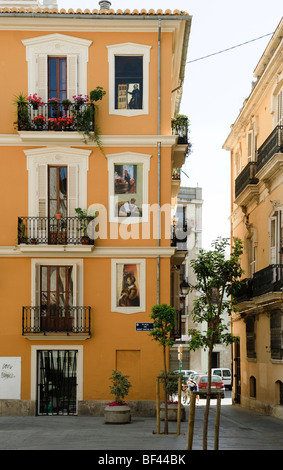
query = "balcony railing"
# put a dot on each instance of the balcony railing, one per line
(50, 231)
(46, 117)
(269, 279)
(179, 126)
(53, 319)
(273, 144)
(246, 177)
(179, 237)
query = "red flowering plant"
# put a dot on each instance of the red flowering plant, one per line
(38, 121)
(119, 388)
(35, 100)
(64, 122)
(52, 124)
(54, 102)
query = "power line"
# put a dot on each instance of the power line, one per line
(229, 48)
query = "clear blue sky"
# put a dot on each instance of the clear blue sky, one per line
(214, 88)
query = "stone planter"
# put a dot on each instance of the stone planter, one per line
(172, 412)
(117, 414)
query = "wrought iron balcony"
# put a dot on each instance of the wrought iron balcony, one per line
(179, 237)
(52, 319)
(179, 126)
(246, 177)
(51, 231)
(56, 117)
(267, 280)
(273, 144)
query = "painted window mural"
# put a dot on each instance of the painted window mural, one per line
(128, 285)
(128, 190)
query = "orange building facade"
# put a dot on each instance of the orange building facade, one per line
(256, 144)
(74, 309)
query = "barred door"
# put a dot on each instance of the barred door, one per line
(57, 382)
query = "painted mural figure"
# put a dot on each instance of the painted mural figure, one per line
(129, 295)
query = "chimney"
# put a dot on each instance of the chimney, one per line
(104, 4)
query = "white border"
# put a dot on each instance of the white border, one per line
(128, 158)
(128, 310)
(130, 49)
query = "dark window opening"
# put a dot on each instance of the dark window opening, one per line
(128, 82)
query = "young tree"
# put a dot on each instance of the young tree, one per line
(163, 324)
(217, 282)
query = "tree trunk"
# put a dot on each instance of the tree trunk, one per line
(205, 419)
(165, 393)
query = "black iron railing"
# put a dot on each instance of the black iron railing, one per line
(47, 117)
(246, 177)
(53, 319)
(50, 231)
(269, 279)
(179, 126)
(179, 236)
(273, 144)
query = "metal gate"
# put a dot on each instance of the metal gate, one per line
(57, 382)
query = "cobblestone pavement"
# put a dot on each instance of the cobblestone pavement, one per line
(240, 429)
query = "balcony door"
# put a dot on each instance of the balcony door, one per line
(57, 203)
(56, 298)
(57, 81)
(276, 236)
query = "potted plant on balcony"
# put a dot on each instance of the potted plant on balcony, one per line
(66, 104)
(85, 217)
(35, 101)
(39, 122)
(117, 411)
(23, 122)
(97, 94)
(79, 100)
(179, 125)
(54, 103)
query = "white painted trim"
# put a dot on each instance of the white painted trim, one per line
(54, 45)
(129, 49)
(142, 284)
(128, 158)
(35, 348)
(59, 156)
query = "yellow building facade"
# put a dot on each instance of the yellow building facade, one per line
(256, 145)
(74, 310)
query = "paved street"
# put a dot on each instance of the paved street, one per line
(240, 429)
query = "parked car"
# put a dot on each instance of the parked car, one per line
(216, 384)
(185, 372)
(225, 375)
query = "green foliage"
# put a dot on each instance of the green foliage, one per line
(97, 94)
(217, 283)
(172, 381)
(120, 386)
(163, 324)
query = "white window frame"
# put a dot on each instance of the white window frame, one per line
(38, 50)
(123, 159)
(41, 158)
(251, 145)
(129, 49)
(276, 220)
(128, 310)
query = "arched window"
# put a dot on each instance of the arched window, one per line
(252, 387)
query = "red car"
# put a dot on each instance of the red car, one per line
(216, 384)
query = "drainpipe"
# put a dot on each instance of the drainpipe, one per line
(159, 158)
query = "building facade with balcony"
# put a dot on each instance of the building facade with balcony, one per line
(256, 147)
(86, 185)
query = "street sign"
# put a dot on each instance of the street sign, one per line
(144, 326)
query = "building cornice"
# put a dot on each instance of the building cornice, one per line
(37, 139)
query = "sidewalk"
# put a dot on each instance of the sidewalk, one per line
(240, 429)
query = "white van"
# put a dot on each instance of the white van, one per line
(225, 375)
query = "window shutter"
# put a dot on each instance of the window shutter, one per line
(42, 190)
(72, 75)
(73, 174)
(42, 77)
(279, 108)
(250, 146)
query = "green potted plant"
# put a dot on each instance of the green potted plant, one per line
(85, 217)
(172, 391)
(118, 411)
(54, 103)
(35, 101)
(66, 104)
(23, 122)
(97, 94)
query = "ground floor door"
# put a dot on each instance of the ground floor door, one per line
(237, 373)
(57, 382)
